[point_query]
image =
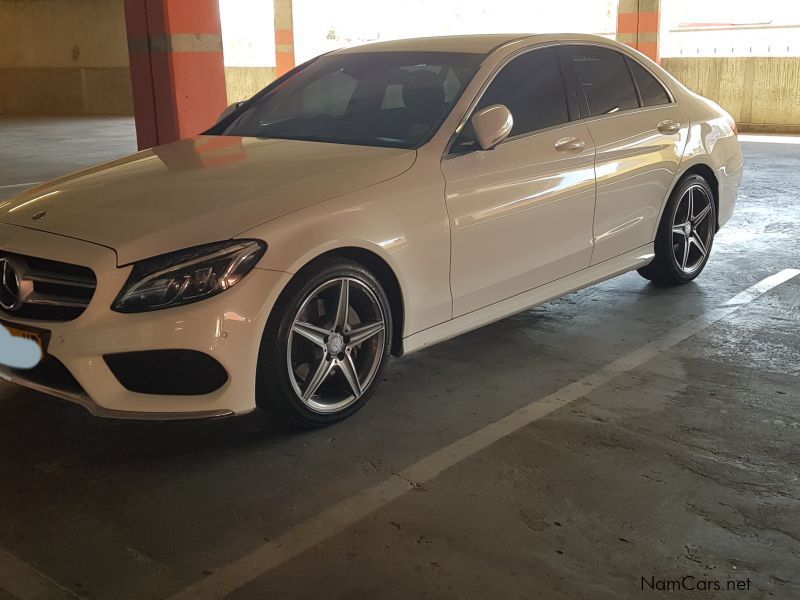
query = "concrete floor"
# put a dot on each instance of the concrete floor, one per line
(676, 453)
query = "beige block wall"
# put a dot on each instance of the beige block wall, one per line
(762, 93)
(244, 82)
(64, 57)
(70, 57)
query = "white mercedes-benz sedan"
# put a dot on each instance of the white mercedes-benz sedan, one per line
(373, 201)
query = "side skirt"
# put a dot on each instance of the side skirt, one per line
(544, 293)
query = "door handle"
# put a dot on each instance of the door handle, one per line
(669, 126)
(569, 144)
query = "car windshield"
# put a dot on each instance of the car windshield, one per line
(393, 99)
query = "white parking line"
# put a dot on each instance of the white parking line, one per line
(16, 185)
(770, 138)
(350, 511)
(26, 583)
(754, 291)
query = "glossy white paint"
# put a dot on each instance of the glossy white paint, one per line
(635, 169)
(199, 190)
(469, 239)
(508, 209)
(509, 306)
(492, 125)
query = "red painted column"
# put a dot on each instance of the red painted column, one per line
(177, 67)
(638, 24)
(284, 37)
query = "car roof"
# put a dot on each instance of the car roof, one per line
(481, 44)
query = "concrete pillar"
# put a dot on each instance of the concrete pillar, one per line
(638, 25)
(284, 37)
(177, 68)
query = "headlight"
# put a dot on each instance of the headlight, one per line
(187, 275)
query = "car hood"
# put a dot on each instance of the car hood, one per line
(198, 190)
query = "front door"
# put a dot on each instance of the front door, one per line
(521, 214)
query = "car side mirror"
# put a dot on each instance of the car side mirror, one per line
(230, 109)
(492, 125)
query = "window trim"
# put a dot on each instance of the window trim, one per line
(670, 99)
(568, 82)
(636, 89)
(627, 56)
(583, 102)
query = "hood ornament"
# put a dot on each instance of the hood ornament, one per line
(39, 215)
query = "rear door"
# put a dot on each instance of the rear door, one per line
(521, 213)
(639, 135)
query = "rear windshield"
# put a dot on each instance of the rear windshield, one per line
(393, 99)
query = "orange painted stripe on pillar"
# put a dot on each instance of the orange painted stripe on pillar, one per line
(649, 49)
(200, 94)
(194, 16)
(648, 22)
(627, 22)
(284, 63)
(143, 100)
(177, 68)
(284, 36)
(141, 78)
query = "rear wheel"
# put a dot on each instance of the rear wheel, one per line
(685, 234)
(325, 345)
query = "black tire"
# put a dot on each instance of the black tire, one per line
(665, 269)
(275, 391)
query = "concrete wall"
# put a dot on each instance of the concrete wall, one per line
(244, 82)
(762, 94)
(70, 57)
(63, 57)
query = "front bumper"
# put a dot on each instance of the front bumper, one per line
(227, 327)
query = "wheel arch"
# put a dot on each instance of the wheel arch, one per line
(386, 276)
(708, 174)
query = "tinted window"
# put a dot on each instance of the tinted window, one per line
(651, 91)
(603, 79)
(394, 99)
(531, 88)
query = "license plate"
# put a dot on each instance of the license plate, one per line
(34, 336)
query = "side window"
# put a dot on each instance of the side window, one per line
(651, 91)
(603, 79)
(530, 86)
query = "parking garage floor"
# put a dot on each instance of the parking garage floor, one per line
(620, 440)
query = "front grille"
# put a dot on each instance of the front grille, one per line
(44, 290)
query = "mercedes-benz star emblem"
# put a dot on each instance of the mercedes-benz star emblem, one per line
(10, 285)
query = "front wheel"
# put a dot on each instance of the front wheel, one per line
(325, 344)
(685, 234)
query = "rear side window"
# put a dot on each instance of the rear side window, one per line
(651, 91)
(603, 79)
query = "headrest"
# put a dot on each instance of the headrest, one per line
(423, 88)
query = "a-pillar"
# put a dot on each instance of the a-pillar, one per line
(637, 25)
(177, 67)
(284, 37)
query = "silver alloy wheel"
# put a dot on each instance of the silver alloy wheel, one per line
(692, 229)
(336, 344)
